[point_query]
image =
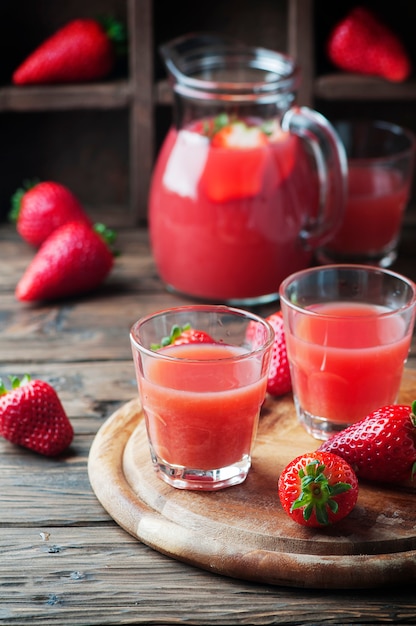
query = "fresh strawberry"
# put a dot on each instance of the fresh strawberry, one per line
(31, 415)
(82, 50)
(235, 166)
(181, 335)
(74, 259)
(382, 446)
(362, 43)
(317, 489)
(279, 381)
(39, 208)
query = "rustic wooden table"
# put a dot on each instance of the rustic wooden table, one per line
(63, 558)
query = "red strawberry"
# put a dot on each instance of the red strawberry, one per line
(74, 259)
(181, 335)
(362, 43)
(235, 166)
(382, 446)
(318, 489)
(39, 208)
(82, 50)
(279, 381)
(31, 415)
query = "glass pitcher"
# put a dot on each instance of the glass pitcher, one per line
(247, 184)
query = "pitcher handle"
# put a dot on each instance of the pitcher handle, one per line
(332, 169)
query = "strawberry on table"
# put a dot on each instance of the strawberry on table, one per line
(39, 208)
(32, 416)
(82, 50)
(182, 335)
(74, 259)
(362, 43)
(317, 489)
(382, 446)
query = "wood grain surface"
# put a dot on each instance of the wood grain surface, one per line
(242, 531)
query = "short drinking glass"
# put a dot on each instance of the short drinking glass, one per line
(380, 176)
(202, 401)
(348, 332)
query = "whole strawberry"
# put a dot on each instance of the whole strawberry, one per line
(82, 50)
(181, 335)
(279, 381)
(39, 208)
(32, 416)
(317, 489)
(362, 43)
(382, 446)
(74, 259)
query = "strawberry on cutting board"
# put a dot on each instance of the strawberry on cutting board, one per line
(32, 416)
(39, 208)
(74, 259)
(363, 44)
(82, 50)
(279, 381)
(317, 489)
(381, 447)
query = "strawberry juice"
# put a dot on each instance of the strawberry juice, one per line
(201, 414)
(376, 200)
(225, 221)
(347, 362)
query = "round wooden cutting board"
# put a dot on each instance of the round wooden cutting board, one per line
(242, 531)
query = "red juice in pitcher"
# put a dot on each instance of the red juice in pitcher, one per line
(227, 207)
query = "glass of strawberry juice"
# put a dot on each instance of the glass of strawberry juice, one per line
(380, 175)
(348, 331)
(202, 400)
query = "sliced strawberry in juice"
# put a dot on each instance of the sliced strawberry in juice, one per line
(235, 164)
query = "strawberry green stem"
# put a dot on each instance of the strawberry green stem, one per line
(15, 382)
(176, 331)
(17, 198)
(317, 494)
(116, 31)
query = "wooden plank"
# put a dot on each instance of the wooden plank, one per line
(107, 95)
(301, 46)
(71, 581)
(350, 87)
(86, 389)
(142, 131)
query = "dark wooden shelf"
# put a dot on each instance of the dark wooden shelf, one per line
(357, 87)
(288, 25)
(111, 95)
